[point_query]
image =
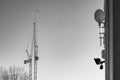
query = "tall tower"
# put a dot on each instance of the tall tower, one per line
(35, 46)
(33, 55)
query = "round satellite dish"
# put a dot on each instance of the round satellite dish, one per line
(99, 15)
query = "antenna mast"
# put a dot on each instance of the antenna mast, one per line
(33, 55)
(100, 17)
(35, 46)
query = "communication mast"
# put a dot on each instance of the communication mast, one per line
(100, 19)
(35, 46)
(33, 55)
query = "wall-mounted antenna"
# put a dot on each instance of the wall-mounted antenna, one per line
(100, 19)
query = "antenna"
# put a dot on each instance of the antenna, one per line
(36, 15)
(99, 16)
(34, 50)
(35, 45)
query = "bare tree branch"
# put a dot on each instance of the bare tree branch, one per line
(13, 73)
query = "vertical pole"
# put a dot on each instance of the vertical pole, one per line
(106, 43)
(30, 70)
(109, 41)
(35, 62)
(35, 47)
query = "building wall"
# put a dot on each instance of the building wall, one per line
(116, 39)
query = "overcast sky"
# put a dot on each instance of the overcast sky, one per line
(67, 35)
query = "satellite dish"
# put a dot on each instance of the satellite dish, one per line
(99, 15)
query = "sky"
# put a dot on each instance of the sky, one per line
(67, 36)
